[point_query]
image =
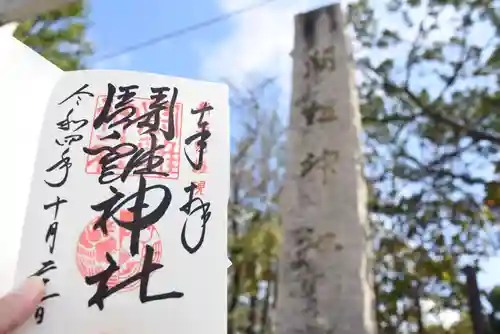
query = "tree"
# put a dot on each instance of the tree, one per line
(58, 35)
(429, 95)
(254, 235)
(494, 315)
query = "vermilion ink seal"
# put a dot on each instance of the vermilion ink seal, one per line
(171, 153)
(93, 246)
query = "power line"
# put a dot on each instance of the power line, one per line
(184, 30)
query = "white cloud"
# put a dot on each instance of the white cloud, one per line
(260, 41)
(258, 44)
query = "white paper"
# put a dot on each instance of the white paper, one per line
(200, 276)
(26, 82)
(8, 29)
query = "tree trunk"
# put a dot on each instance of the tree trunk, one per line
(418, 306)
(234, 301)
(252, 315)
(265, 308)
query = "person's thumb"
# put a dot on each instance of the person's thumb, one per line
(18, 305)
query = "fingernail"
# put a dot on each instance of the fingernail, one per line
(32, 288)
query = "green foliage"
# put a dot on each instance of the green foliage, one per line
(254, 228)
(494, 314)
(429, 98)
(58, 35)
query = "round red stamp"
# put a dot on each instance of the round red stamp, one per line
(93, 246)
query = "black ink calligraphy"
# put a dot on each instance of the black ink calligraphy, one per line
(148, 267)
(61, 168)
(139, 222)
(52, 230)
(46, 267)
(79, 91)
(141, 162)
(63, 164)
(120, 161)
(188, 209)
(202, 135)
(66, 123)
(149, 120)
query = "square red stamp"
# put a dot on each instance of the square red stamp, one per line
(171, 153)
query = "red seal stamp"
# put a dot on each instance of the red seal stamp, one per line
(171, 152)
(93, 246)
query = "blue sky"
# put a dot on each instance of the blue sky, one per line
(256, 44)
(252, 45)
(115, 27)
